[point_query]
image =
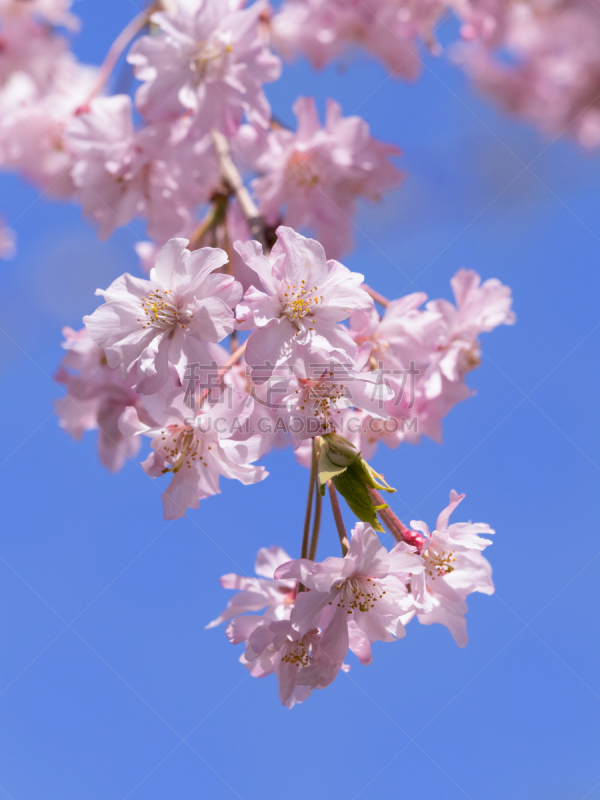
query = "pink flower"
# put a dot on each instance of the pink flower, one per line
(56, 12)
(196, 447)
(358, 599)
(297, 315)
(147, 324)
(314, 177)
(208, 59)
(96, 398)
(255, 594)
(157, 172)
(454, 567)
(479, 308)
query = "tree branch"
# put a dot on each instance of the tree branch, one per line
(339, 520)
(233, 180)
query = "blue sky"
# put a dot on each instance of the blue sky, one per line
(110, 687)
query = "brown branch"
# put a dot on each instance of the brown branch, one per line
(393, 523)
(233, 180)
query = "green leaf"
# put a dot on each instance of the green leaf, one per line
(356, 494)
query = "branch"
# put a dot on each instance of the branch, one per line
(309, 500)
(233, 180)
(129, 32)
(379, 298)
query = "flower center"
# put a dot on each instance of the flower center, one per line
(210, 55)
(297, 653)
(298, 302)
(359, 594)
(321, 397)
(182, 448)
(439, 562)
(302, 170)
(159, 312)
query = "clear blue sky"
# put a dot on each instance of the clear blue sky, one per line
(110, 687)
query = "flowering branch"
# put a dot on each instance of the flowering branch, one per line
(233, 180)
(337, 515)
(379, 298)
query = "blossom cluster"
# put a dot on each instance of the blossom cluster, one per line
(242, 333)
(539, 59)
(314, 612)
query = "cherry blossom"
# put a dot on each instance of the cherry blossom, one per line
(358, 599)
(297, 316)
(317, 174)
(208, 59)
(454, 567)
(197, 446)
(56, 12)
(96, 398)
(255, 594)
(155, 172)
(147, 324)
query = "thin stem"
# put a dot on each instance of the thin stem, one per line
(309, 501)
(129, 32)
(339, 520)
(379, 298)
(210, 218)
(316, 525)
(231, 361)
(392, 522)
(233, 180)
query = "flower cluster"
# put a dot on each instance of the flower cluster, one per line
(242, 333)
(314, 612)
(551, 76)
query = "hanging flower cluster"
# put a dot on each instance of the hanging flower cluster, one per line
(242, 333)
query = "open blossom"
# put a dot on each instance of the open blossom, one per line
(480, 307)
(297, 315)
(156, 172)
(315, 404)
(209, 58)
(358, 599)
(302, 661)
(314, 177)
(454, 567)
(198, 446)
(96, 398)
(147, 324)
(255, 594)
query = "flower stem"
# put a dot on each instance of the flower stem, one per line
(309, 500)
(393, 523)
(337, 515)
(316, 525)
(233, 180)
(379, 298)
(129, 32)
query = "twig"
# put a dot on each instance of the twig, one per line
(339, 520)
(309, 500)
(316, 526)
(233, 180)
(129, 32)
(379, 298)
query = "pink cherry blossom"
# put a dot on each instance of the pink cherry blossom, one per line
(297, 316)
(56, 12)
(96, 398)
(314, 177)
(147, 324)
(358, 599)
(156, 172)
(454, 567)
(208, 59)
(255, 594)
(197, 446)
